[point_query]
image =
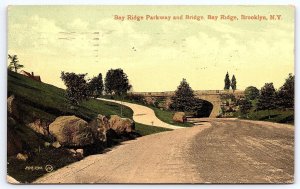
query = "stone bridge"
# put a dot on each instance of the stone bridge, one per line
(212, 96)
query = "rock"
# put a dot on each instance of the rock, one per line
(99, 127)
(56, 144)
(72, 151)
(71, 131)
(12, 107)
(14, 143)
(80, 151)
(121, 125)
(179, 117)
(39, 127)
(22, 157)
(47, 144)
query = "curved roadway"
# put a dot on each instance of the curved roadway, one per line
(227, 151)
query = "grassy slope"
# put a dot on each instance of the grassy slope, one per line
(278, 116)
(164, 115)
(44, 101)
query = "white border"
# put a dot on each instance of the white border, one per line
(3, 82)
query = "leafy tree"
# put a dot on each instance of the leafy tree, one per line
(227, 82)
(285, 95)
(233, 83)
(267, 98)
(116, 82)
(251, 93)
(184, 98)
(14, 63)
(77, 87)
(95, 86)
(245, 105)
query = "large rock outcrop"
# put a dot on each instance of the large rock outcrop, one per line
(121, 125)
(179, 117)
(71, 131)
(99, 127)
(39, 126)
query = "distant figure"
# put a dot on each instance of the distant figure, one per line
(31, 75)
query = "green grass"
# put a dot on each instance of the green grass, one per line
(164, 115)
(46, 102)
(278, 116)
(147, 130)
(167, 116)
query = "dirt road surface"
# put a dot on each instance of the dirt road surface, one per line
(143, 115)
(215, 151)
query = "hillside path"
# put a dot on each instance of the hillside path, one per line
(144, 115)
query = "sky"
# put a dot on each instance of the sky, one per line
(155, 54)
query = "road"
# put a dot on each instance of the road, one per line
(214, 151)
(143, 114)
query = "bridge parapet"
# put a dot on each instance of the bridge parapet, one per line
(212, 96)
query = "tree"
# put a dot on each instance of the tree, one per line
(77, 87)
(227, 82)
(184, 98)
(14, 63)
(245, 105)
(267, 98)
(233, 83)
(285, 95)
(95, 86)
(251, 93)
(116, 82)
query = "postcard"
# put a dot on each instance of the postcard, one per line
(150, 94)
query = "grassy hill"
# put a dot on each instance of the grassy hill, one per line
(38, 100)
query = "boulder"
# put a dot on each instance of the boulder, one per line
(12, 106)
(39, 126)
(99, 127)
(56, 144)
(22, 157)
(71, 131)
(179, 117)
(121, 125)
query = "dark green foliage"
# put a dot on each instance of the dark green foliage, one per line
(227, 82)
(95, 86)
(267, 97)
(251, 93)
(285, 95)
(245, 105)
(136, 98)
(77, 87)
(184, 98)
(14, 63)
(233, 83)
(116, 82)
